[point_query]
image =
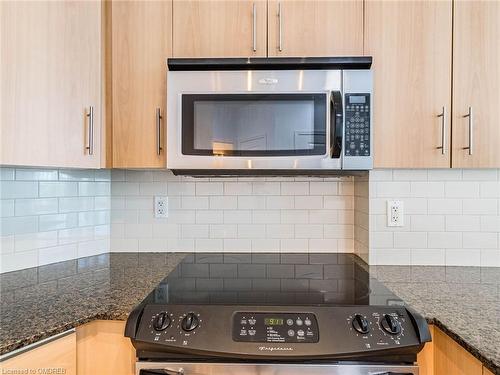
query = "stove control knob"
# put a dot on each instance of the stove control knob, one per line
(162, 321)
(390, 325)
(190, 322)
(360, 324)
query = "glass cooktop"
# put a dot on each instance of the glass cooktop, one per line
(271, 279)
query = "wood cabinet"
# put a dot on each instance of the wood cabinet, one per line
(315, 28)
(443, 356)
(102, 348)
(219, 28)
(410, 42)
(51, 76)
(141, 43)
(57, 354)
(476, 83)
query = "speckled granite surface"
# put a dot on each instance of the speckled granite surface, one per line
(464, 302)
(37, 303)
(40, 302)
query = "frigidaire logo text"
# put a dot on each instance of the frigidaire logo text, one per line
(274, 348)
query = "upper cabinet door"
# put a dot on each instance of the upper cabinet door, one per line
(410, 42)
(220, 28)
(476, 84)
(315, 28)
(51, 82)
(141, 44)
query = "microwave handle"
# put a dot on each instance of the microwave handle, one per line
(336, 124)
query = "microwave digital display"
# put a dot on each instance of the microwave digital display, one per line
(357, 99)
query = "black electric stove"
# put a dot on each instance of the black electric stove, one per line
(275, 308)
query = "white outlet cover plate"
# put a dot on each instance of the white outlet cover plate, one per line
(395, 213)
(161, 207)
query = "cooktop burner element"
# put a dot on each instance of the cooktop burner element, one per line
(275, 307)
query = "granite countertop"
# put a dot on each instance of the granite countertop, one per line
(40, 302)
(464, 302)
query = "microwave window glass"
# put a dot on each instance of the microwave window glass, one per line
(254, 125)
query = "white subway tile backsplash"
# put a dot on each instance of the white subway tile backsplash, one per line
(427, 223)
(93, 189)
(294, 216)
(194, 203)
(393, 189)
(310, 202)
(209, 188)
(445, 206)
(224, 231)
(325, 187)
(266, 216)
(18, 189)
(480, 174)
(57, 221)
(266, 188)
(48, 204)
(237, 217)
(462, 189)
(32, 241)
(237, 245)
(76, 175)
(452, 220)
(463, 223)
(463, 257)
(480, 207)
(36, 174)
(280, 231)
(438, 240)
(18, 225)
(7, 173)
(409, 240)
(251, 202)
(280, 202)
(309, 231)
(251, 231)
(19, 260)
(427, 189)
(223, 202)
(39, 206)
(74, 204)
(480, 240)
(295, 188)
(7, 207)
(58, 189)
(210, 217)
(238, 188)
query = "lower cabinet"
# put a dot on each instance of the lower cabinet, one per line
(444, 356)
(101, 348)
(54, 357)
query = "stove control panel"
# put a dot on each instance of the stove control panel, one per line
(275, 331)
(275, 327)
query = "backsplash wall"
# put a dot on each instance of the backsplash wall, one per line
(451, 217)
(301, 214)
(51, 215)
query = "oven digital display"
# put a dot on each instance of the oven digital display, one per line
(358, 99)
(273, 321)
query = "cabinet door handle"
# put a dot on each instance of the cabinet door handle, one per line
(254, 27)
(471, 130)
(158, 131)
(443, 131)
(280, 26)
(90, 145)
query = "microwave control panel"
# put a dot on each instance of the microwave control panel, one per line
(357, 124)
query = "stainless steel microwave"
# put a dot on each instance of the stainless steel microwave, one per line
(274, 116)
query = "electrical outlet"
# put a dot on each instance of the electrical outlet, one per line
(395, 213)
(161, 207)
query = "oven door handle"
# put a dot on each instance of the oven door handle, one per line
(166, 371)
(390, 373)
(336, 124)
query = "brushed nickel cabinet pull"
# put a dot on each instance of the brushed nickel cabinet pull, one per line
(280, 21)
(158, 131)
(471, 129)
(90, 146)
(254, 28)
(443, 131)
